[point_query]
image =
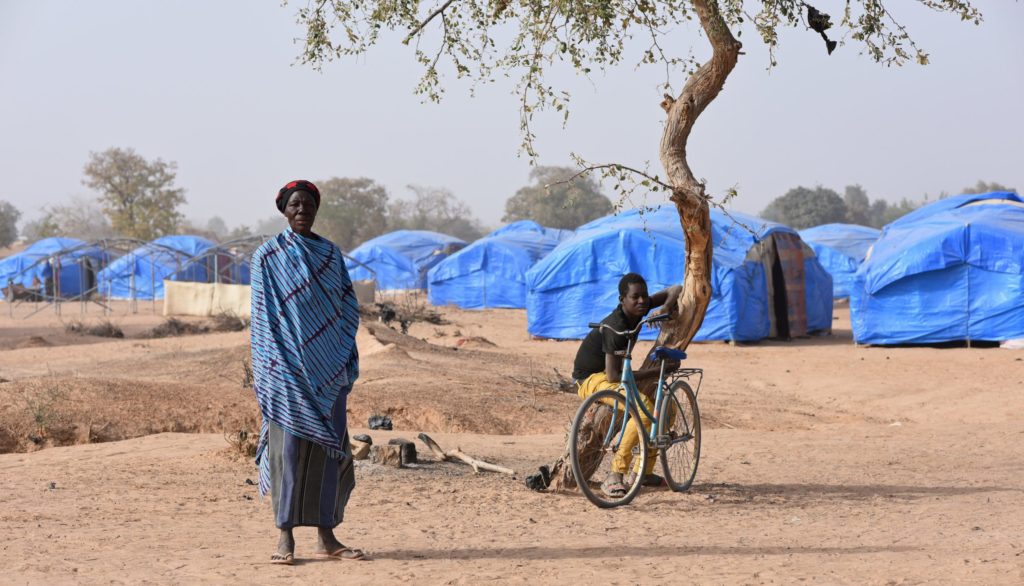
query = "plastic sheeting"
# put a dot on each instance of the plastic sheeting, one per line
(140, 274)
(954, 271)
(578, 282)
(30, 269)
(491, 272)
(840, 248)
(401, 259)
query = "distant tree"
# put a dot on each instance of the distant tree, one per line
(352, 210)
(137, 195)
(9, 216)
(436, 209)
(217, 226)
(240, 231)
(983, 187)
(802, 208)
(270, 226)
(858, 206)
(557, 205)
(896, 211)
(81, 218)
(41, 227)
(878, 213)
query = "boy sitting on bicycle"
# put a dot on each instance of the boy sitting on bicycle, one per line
(598, 366)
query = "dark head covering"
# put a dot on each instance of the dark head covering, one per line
(298, 185)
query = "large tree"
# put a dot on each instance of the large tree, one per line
(558, 198)
(352, 210)
(137, 195)
(485, 39)
(802, 208)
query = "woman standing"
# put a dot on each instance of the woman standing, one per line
(304, 359)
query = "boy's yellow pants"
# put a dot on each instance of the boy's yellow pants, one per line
(624, 455)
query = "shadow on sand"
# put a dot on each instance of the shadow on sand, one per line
(802, 494)
(615, 551)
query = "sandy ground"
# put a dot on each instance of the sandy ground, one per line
(822, 462)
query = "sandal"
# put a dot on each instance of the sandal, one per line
(614, 489)
(287, 559)
(344, 553)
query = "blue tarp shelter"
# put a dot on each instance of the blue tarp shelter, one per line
(140, 274)
(578, 282)
(61, 267)
(401, 259)
(949, 271)
(840, 248)
(491, 272)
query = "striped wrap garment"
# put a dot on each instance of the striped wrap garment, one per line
(304, 321)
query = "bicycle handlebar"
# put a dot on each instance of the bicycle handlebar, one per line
(651, 320)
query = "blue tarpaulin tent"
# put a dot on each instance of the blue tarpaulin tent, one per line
(578, 282)
(72, 260)
(491, 272)
(840, 248)
(401, 259)
(140, 274)
(949, 271)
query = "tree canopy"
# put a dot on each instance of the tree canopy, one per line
(80, 218)
(138, 196)
(523, 39)
(802, 208)
(558, 199)
(986, 187)
(352, 210)
(9, 216)
(436, 209)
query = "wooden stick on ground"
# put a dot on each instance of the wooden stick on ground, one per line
(479, 465)
(436, 449)
(458, 454)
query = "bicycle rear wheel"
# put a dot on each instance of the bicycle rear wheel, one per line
(593, 440)
(680, 421)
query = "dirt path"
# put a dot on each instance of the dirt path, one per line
(822, 461)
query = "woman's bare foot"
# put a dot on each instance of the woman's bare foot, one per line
(285, 553)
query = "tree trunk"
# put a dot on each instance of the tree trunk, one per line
(688, 194)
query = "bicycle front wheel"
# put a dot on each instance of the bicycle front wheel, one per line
(680, 428)
(593, 441)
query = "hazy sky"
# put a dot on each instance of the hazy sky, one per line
(213, 86)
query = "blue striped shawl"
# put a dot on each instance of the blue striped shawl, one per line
(304, 321)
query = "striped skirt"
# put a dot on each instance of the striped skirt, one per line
(308, 488)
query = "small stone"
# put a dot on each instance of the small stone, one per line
(407, 449)
(380, 422)
(386, 455)
(360, 450)
(363, 438)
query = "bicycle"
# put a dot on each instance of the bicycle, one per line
(600, 425)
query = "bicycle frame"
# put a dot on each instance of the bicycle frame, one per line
(632, 394)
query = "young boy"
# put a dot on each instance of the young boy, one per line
(598, 366)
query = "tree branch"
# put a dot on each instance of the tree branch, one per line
(426, 21)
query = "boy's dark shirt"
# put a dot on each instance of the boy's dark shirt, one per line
(600, 341)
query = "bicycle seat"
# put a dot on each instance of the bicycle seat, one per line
(663, 353)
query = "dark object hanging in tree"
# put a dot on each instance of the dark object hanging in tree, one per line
(819, 23)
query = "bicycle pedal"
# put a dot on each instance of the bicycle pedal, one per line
(662, 441)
